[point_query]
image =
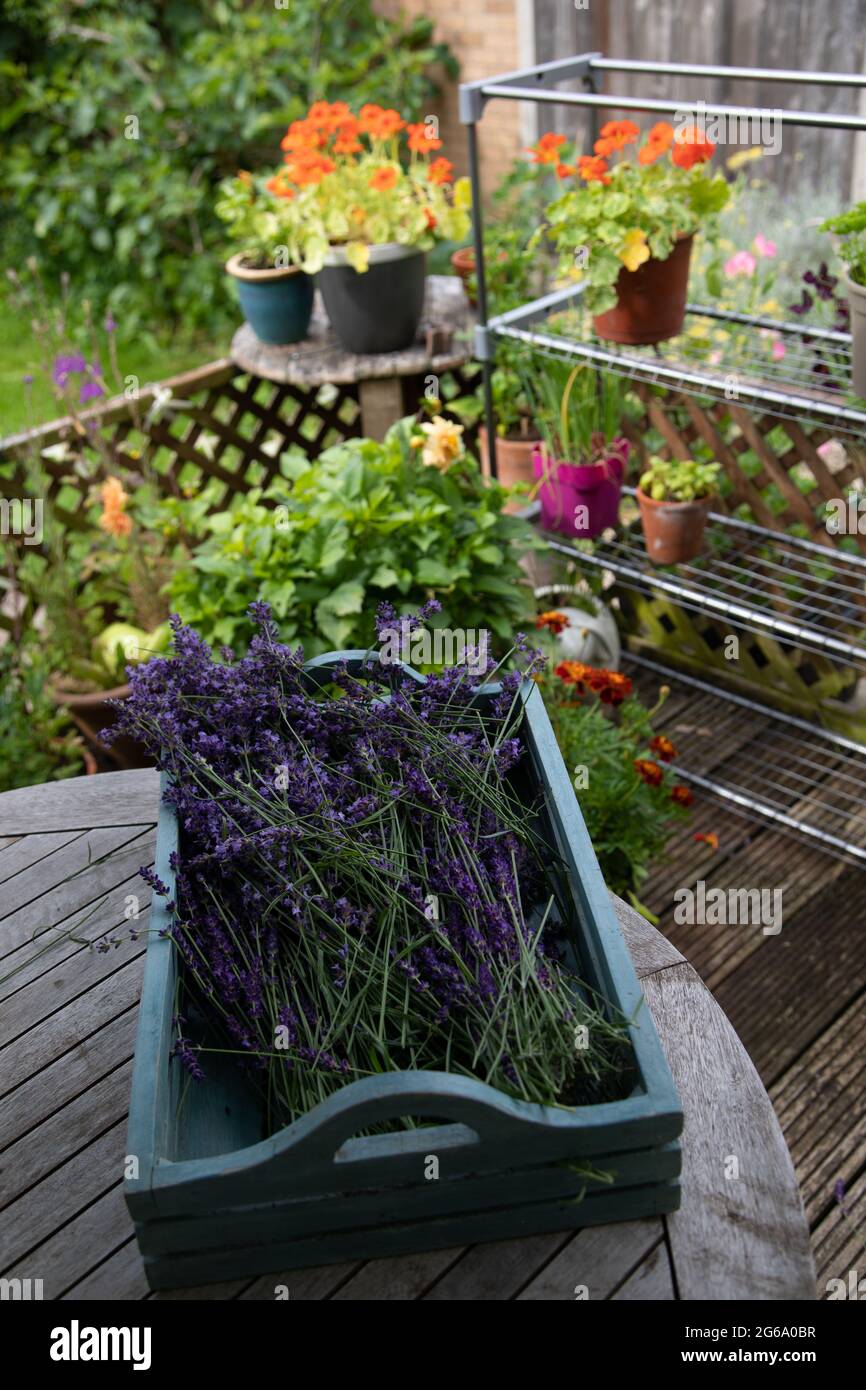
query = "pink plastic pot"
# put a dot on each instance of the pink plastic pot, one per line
(570, 486)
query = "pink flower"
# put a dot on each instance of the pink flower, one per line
(764, 247)
(743, 263)
(778, 349)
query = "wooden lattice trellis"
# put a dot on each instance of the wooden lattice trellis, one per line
(762, 456)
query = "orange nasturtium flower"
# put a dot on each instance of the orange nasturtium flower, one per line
(651, 773)
(279, 187)
(379, 123)
(420, 140)
(384, 178)
(546, 150)
(114, 519)
(690, 148)
(308, 167)
(564, 171)
(441, 170)
(592, 168)
(663, 748)
(682, 796)
(556, 622)
(658, 142)
(614, 135)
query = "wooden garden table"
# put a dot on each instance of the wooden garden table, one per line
(69, 855)
(389, 383)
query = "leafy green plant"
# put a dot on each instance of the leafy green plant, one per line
(625, 213)
(578, 410)
(679, 480)
(119, 122)
(363, 523)
(628, 793)
(38, 742)
(353, 182)
(851, 227)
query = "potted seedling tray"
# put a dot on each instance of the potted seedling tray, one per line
(213, 1199)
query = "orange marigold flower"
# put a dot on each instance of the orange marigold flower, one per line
(556, 622)
(619, 133)
(612, 687)
(651, 773)
(708, 837)
(420, 139)
(564, 171)
(663, 748)
(690, 148)
(384, 178)
(441, 170)
(572, 673)
(593, 169)
(545, 150)
(682, 796)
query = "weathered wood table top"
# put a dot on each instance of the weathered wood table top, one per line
(69, 855)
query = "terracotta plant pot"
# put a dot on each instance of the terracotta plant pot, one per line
(463, 262)
(673, 531)
(857, 301)
(513, 463)
(277, 303)
(651, 301)
(593, 487)
(92, 713)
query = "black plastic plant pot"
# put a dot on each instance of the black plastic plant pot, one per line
(378, 310)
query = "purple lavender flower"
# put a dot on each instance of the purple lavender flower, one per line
(65, 365)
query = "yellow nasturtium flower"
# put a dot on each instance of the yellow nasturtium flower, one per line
(736, 161)
(635, 250)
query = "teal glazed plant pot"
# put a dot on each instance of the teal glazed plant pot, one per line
(277, 303)
(379, 309)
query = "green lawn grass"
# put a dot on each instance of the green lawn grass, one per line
(20, 355)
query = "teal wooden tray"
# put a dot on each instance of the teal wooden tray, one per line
(213, 1199)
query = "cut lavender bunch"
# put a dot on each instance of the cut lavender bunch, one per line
(360, 887)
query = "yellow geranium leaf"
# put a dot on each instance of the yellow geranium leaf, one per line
(635, 250)
(462, 193)
(358, 255)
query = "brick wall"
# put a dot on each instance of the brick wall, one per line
(484, 37)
